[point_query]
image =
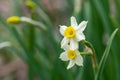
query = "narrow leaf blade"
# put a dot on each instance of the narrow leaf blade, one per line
(105, 56)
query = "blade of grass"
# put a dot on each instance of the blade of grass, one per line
(16, 6)
(117, 6)
(103, 15)
(105, 56)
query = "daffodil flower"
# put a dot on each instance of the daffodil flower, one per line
(72, 34)
(73, 56)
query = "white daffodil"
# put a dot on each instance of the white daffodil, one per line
(72, 34)
(73, 56)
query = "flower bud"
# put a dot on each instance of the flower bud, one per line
(13, 20)
(30, 4)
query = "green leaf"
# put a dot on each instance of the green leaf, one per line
(105, 56)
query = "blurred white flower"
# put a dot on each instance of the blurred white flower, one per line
(72, 34)
(5, 44)
(73, 56)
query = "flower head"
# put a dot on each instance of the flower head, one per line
(30, 4)
(73, 56)
(72, 34)
(13, 20)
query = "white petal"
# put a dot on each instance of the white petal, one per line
(66, 47)
(62, 29)
(71, 64)
(77, 52)
(64, 56)
(79, 36)
(73, 44)
(82, 26)
(83, 36)
(64, 42)
(73, 22)
(79, 60)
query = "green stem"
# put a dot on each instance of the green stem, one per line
(31, 44)
(86, 53)
(94, 60)
(33, 22)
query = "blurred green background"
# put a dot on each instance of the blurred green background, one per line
(34, 53)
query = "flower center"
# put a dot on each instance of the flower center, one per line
(70, 32)
(71, 54)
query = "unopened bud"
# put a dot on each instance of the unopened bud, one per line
(13, 20)
(30, 4)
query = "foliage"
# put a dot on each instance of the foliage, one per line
(40, 49)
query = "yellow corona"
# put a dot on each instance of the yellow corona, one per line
(72, 54)
(70, 32)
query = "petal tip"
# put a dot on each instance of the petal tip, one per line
(72, 17)
(59, 25)
(85, 21)
(68, 68)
